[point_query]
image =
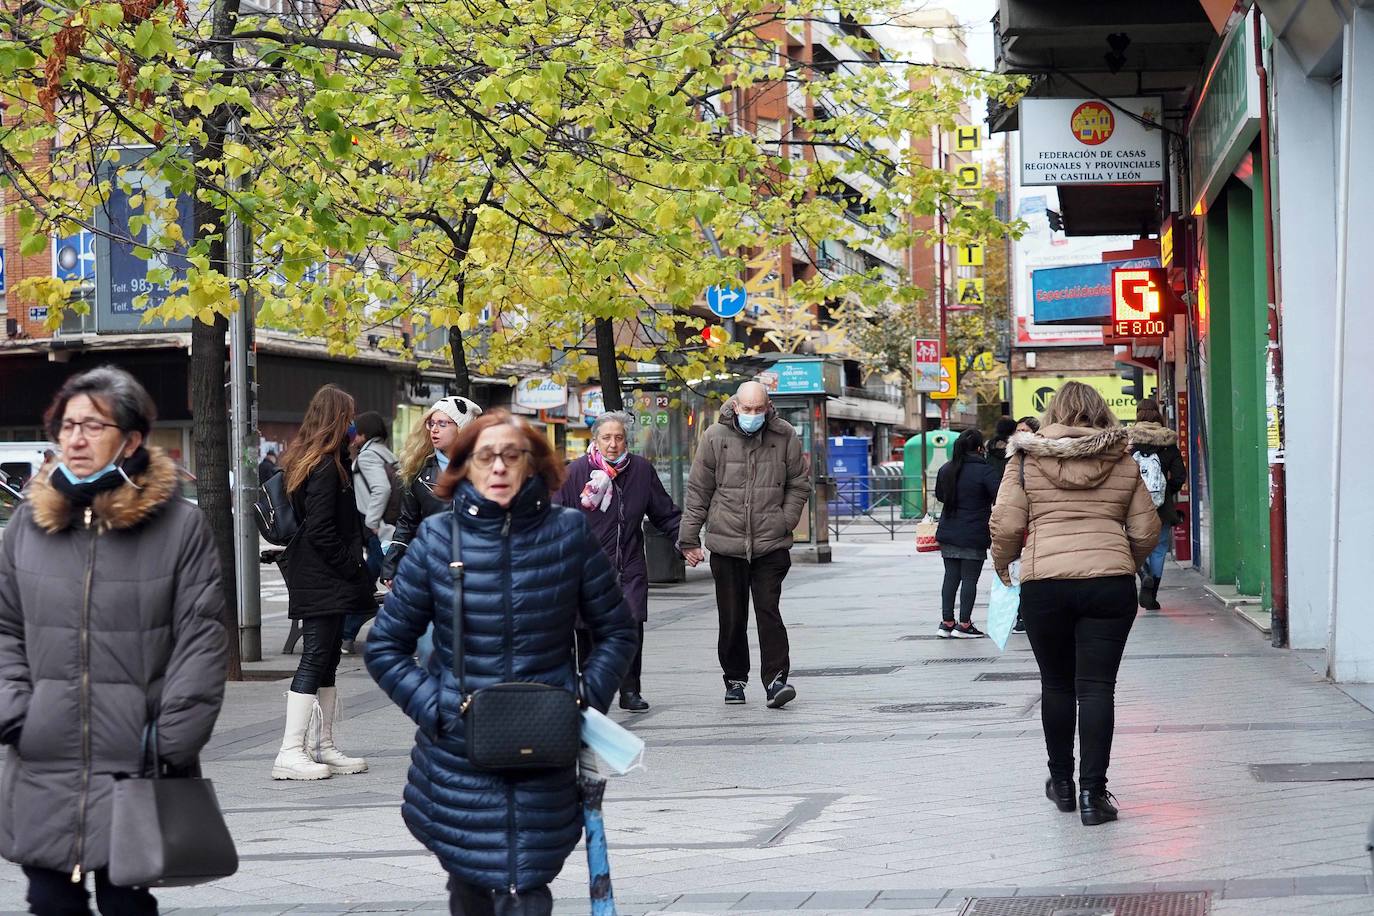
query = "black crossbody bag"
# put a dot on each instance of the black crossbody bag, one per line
(516, 725)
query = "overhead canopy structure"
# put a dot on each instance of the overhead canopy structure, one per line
(1106, 49)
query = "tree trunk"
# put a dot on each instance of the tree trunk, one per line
(607, 367)
(210, 430)
(462, 378)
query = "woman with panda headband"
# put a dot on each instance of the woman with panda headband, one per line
(423, 459)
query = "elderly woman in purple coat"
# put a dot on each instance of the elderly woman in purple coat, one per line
(618, 491)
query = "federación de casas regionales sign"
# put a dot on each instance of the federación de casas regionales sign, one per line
(1091, 141)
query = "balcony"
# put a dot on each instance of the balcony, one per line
(880, 391)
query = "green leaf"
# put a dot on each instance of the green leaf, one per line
(33, 245)
(340, 144)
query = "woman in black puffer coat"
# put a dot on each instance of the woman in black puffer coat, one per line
(967, 487)
(326, 580)
(530, 569)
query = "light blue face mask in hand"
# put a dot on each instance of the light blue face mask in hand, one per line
(619, 747)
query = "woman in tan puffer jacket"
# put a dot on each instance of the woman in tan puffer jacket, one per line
(1073, 508)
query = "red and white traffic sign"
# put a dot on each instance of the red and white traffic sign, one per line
(925, 365)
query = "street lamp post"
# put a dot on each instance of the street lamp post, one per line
(243, 443)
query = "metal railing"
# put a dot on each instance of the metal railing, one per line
(887, 500)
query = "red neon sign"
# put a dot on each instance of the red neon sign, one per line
(1138, 301)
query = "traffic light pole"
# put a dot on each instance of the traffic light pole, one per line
(943, 298)
(715, 249)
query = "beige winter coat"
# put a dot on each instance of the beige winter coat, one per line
(748, 490)
(1083, 502)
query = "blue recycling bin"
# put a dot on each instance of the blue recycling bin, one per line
(848, 462)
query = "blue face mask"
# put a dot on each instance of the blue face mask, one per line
(352, 430)
(751, 422)
(442, 459)
(621, 750)
(111, 468)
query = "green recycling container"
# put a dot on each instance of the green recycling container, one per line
(939, 442)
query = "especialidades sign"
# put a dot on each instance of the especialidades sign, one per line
(1091, 141)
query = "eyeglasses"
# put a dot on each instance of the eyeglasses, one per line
(509, 456)
(439, 424)
(91, 428)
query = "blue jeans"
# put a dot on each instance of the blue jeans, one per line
(1155, 562)
(373, 555)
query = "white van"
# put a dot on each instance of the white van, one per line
(21, 460)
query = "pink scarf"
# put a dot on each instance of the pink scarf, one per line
(598, 491)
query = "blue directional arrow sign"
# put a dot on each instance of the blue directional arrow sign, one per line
(726, 301)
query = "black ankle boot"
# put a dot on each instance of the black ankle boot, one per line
(631, 700)
(1096, 806)
(1149, 599)
(1061, 792)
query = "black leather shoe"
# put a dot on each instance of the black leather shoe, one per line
(1062, 794)
(1096, 807)
(632, 701)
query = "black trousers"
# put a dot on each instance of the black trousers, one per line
(470, 900)
(961, 577)
(737, 579)
(631, 683)
(52, 893)
(320, 653)
(1077, 629)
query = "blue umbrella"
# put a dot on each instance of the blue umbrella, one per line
(598, 859)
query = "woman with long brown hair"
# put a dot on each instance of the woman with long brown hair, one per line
(326, 580)
(1072, 506)
(529, 570)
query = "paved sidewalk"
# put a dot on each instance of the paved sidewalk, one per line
(908, 775)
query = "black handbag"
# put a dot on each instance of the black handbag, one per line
(167, 830)
(516, 725)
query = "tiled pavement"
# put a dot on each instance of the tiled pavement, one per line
(852, 799)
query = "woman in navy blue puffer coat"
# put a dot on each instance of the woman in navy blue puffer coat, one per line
(530, 567)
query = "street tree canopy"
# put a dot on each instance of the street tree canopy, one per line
(516, 168)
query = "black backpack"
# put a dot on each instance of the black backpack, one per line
(277, 518)
(392, 513)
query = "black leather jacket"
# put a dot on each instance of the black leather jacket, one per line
(418, 503)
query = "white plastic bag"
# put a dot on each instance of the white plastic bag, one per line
(1004, 603)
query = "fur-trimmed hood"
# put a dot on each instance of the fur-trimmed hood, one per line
(118, 509)
(1075, 458)
(1152, 434)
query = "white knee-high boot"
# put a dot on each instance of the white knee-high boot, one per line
(292, 760)
(324, 750)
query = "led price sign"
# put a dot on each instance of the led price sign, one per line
(1138, 301)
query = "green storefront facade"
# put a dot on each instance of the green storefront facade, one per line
(1230, 318)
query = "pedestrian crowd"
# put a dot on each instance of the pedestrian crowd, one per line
(510, 596)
